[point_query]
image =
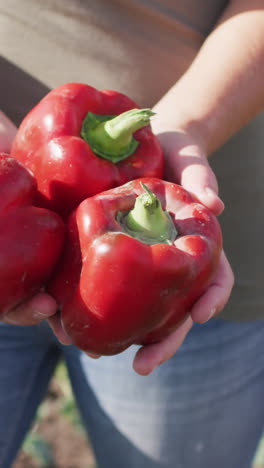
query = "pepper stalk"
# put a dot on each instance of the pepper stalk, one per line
(147, 221)
(111, 137)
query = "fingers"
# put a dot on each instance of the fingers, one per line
(58, 330)
(7, 133)
(198, 178)
(187, 165)
(213, 301)
(217, 295)
(150, 356)
(33, 311)
(93, 355)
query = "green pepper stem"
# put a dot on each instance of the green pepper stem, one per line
(111, 137)
(148, 222)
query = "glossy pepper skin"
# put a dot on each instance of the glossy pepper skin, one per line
(51, 143)
(31, 238)
(116, 290)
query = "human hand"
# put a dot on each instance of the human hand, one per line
(36, 309)
(187, 165)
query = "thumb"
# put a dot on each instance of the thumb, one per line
(197, 177)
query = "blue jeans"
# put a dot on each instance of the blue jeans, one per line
(202, 409)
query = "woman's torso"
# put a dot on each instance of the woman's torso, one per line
(141, 48)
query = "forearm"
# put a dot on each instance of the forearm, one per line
(224, 87)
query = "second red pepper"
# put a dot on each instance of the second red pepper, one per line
(135, 262)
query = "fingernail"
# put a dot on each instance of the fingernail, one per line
(41, 315)
(93, 355)
(155, 366)
(211, 193)
(211, 313)
(209, 197)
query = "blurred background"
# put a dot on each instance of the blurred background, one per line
(57, 438)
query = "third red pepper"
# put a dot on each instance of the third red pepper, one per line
(31, 238)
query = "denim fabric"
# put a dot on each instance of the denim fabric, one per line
(202, 409)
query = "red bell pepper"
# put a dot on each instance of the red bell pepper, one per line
(137, 258)
(76, 148)
(31, 238)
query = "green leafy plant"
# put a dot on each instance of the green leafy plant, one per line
(39, 449)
